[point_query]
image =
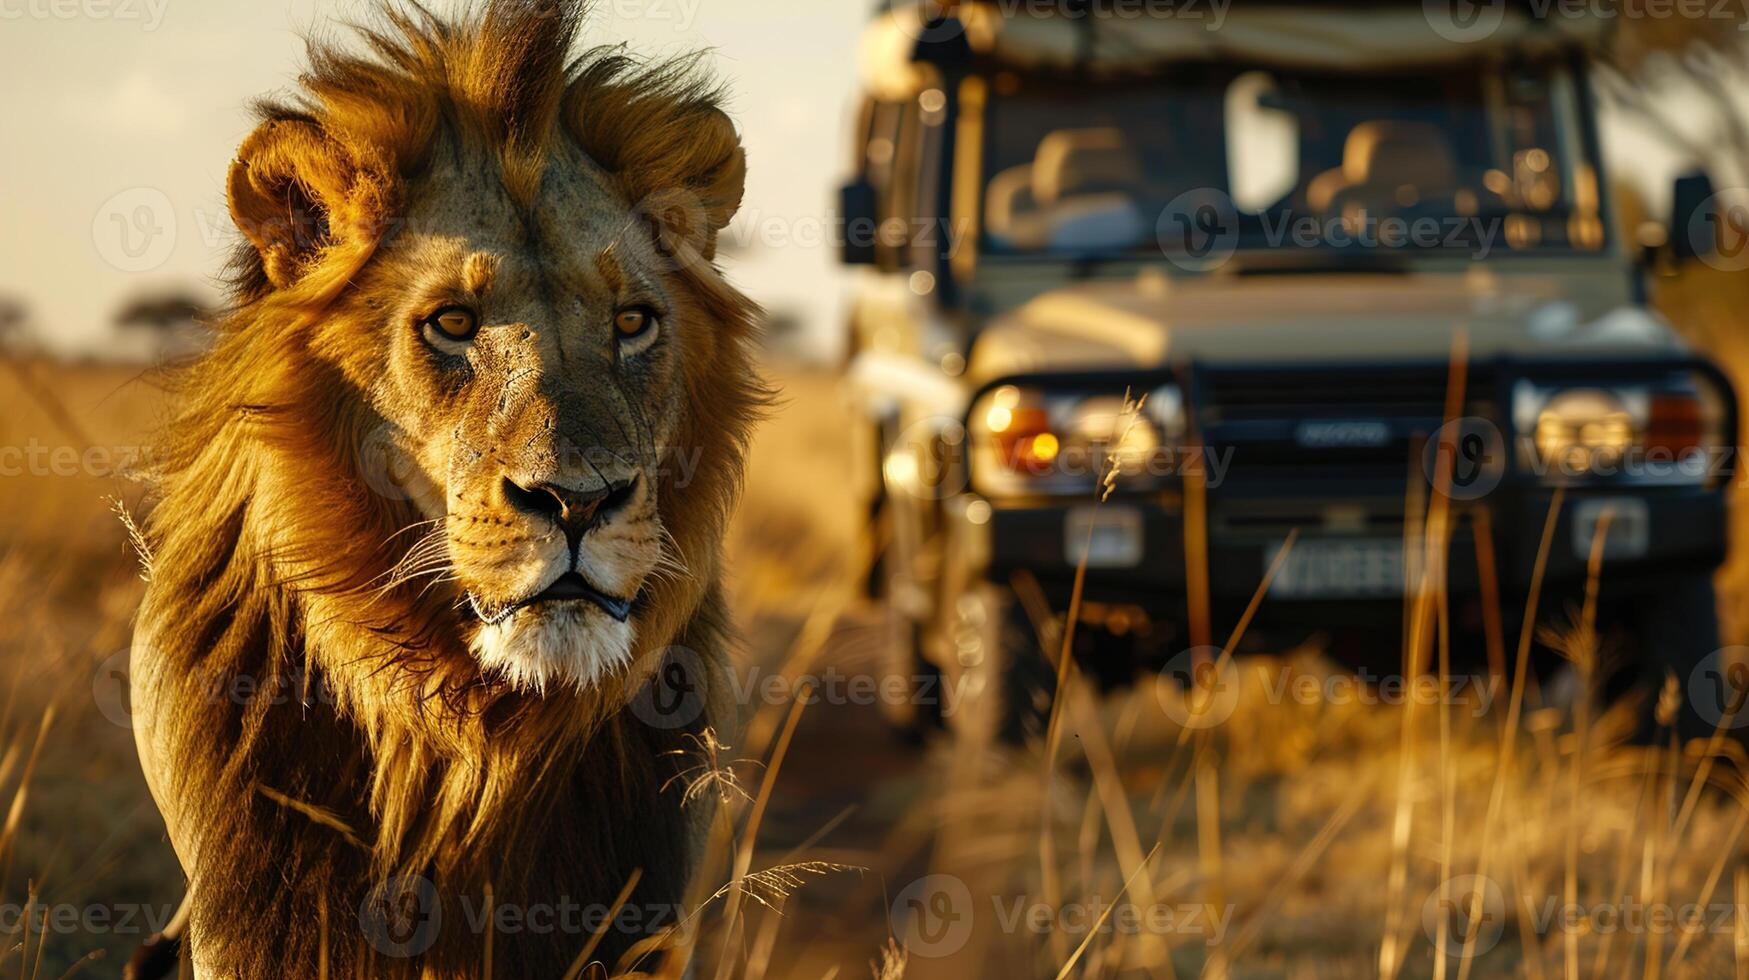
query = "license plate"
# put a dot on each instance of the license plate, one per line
(1351, 568)
(1110, 537)
(1630, 527)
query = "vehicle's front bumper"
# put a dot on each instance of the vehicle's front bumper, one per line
(1684, 529)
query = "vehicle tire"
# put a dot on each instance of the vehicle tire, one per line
(1678, 628)
(1028, 679)
(876, 513)
(920, 714)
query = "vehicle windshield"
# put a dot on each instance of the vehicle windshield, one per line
(1483, 160)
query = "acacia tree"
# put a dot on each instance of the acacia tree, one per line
(163, 311)
(14, 323)
(1657, 58)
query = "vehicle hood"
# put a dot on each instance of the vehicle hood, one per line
(1151, 321)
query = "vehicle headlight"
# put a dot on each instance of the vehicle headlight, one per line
(1030, 440)
(1121, 439)
(1584, 430)
(1652, 433)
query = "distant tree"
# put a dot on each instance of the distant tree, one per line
(159, 326)
(162, 311)
(14, 322)
(1655, 61)
(784, 332)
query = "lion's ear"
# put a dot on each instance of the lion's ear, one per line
(716, 170)
(294, 192)
(691, 188)
(680, 163)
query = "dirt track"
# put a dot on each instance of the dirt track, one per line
(1274, 832)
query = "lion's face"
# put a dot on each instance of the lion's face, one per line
(532, 373)
(502, 259)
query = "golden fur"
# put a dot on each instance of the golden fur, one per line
(313, 722)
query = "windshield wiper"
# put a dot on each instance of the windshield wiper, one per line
(1312, 260)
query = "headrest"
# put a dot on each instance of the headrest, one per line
(1009, 194)
(1082, 161)
(1394, 151)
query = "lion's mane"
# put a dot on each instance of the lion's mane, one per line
(313, 735)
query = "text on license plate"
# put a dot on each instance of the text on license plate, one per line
(1348, 568)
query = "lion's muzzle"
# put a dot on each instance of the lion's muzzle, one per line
(575, 511)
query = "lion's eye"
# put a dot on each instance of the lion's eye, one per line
(633, 322)
(636, 329)
(451, 325)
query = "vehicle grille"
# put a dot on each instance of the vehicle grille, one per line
(1262, 416)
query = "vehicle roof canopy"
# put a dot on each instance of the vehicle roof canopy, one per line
(1136, 36)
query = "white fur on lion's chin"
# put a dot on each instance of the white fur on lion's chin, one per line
(559, 643)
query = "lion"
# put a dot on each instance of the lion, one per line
(447, 491)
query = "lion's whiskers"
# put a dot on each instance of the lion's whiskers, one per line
(429, 556)
(669, 565)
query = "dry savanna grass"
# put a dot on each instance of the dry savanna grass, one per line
(1226, 832)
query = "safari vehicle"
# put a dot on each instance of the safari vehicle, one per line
(1288, 230)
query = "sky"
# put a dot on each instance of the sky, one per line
(121, 117)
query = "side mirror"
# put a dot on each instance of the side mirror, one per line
(1694, 218)
(942, 42)
(858, 223)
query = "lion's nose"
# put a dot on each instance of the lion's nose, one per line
(574, 511)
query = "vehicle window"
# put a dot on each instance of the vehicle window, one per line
(880, 143)
(1262, 143)
(1475, 158)
(897, 198)
(1070, 172)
